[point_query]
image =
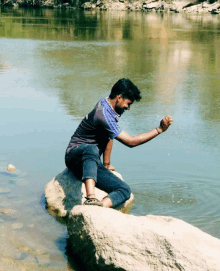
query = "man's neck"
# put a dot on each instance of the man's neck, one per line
(112, 103)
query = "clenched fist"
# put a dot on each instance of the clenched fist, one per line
(165, 123)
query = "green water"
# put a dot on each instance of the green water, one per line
(54, 66)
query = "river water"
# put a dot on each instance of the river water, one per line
(54, 66)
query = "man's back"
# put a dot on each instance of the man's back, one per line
(97, 127)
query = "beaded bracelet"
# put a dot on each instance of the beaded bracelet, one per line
(158, 131)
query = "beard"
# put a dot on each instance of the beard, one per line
(119, 110)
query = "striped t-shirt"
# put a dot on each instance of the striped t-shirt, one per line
(100, 125)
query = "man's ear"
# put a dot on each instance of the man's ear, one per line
(120, 96)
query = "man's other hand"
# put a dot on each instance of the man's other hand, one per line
(110, 167)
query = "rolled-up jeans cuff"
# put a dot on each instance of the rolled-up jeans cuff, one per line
(84, 178)
(118, 196)
(115, 198)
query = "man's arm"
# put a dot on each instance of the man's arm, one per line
(107, 156)
(133, 141)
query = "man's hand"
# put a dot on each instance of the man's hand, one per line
(165, 123)
(110, 167)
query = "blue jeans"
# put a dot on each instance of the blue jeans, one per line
(84, 161)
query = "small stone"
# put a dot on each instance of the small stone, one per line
(11, 168)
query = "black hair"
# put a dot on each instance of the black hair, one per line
(127, 89)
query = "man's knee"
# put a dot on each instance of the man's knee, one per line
(91, 150)
(126, 191)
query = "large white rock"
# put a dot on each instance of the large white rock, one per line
(106, 239)
(65, 191)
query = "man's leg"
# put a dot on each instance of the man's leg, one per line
(118, 191)
(90, 188)
(83, 161)
(86, 160)
(90, 160)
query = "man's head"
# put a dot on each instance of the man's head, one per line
(125, 93)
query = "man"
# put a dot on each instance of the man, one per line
(94, 137)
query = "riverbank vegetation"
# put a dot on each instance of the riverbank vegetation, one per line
(197, 6)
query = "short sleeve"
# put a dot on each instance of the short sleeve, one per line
(111, 125)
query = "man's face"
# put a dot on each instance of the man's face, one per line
(122, 104)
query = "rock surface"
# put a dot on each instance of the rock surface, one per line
(65, 191)
(106, 239)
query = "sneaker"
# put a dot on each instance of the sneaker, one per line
(93, 201)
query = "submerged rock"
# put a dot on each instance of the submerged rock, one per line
(17, 226)
(7, 211)
(5, 190)
(108, 240)
(65, 191)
